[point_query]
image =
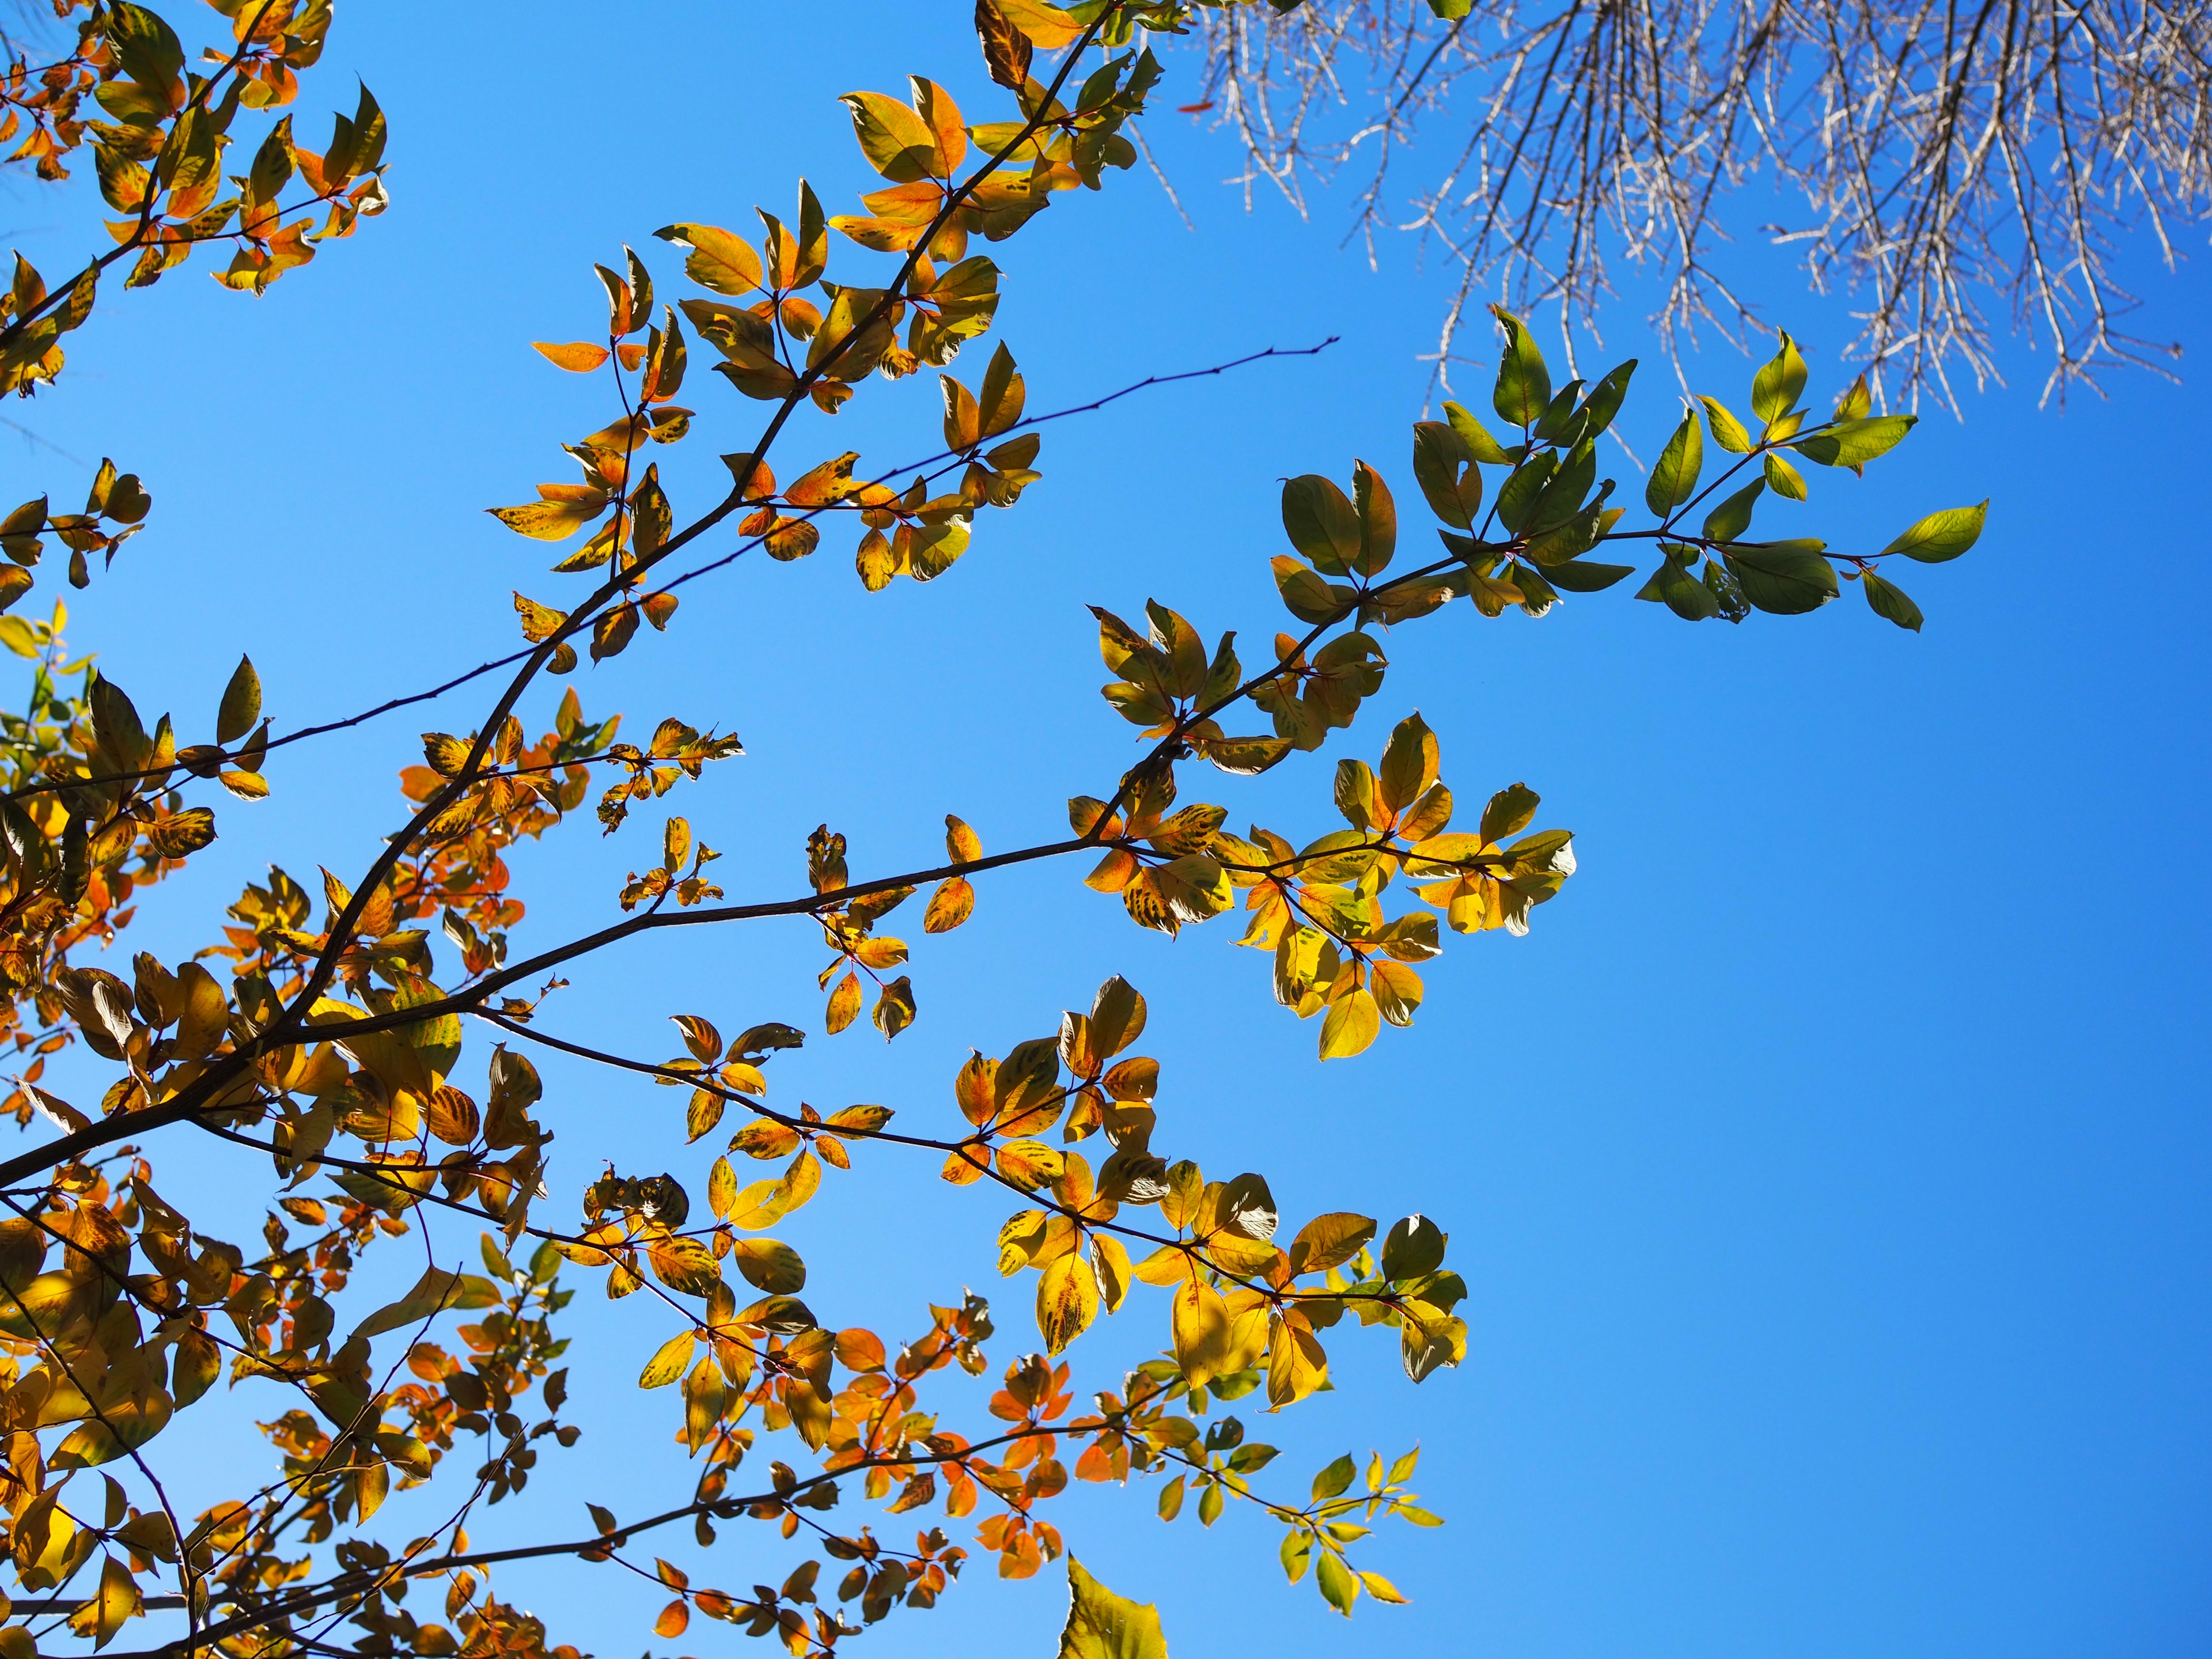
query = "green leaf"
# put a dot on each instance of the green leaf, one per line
(1246, 756)
(1414, 1246)
(1941, 535)
(1445, 472)
(1524, 385)
(1854, 443)
(1476, 436)
(1724, 588)
(1518, 496)
(1674, 479)
(241, 704)
(1537, 595)
(1583, 576)
(1333, 1479)
(437, 1292)
(1553, 425)
(1605, 400)
(1672, 585)
(1322, 523)
(1305, 595)
(1379, 521)
(1775, 389)
(1510, 811)
(1339, 1585)
(1782, 478)
(146, 48)
(1103, 1625)
(1890, 600)
(1785, 578)
(1733, 516)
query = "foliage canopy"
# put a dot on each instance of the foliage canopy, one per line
(327, 1055)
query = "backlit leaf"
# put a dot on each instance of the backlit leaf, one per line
(578, 357)
(1941, 535)
(670, 1362)
(1103, 1625)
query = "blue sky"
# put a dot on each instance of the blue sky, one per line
(1827, 1169)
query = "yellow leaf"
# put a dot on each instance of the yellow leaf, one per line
(952, 903)
(745, 1078)
(894, 1009)
(1112, 1263)
(1067, 1301)
(671, 1362)
(823, 485)
(1397, 992)
(1168, 1264)
(684, 1264)
(1018, 1240)
(205, 1015)
(551, 521)
(879, 952)
(703, 1113)
(1201, 1328)
(539, 621)
(700, 1036)
(844, 1004)
(876, 562)
(965, 1165)
(942, 116)
(1329, 1241)
(1349, 1026)
(117, 1600)
(770, 1265)
(1103, 1625)
(893, 136)
(718, 260)
(1047, 26)
(1031, 1163)
(1296, 1364)
(777, 1199)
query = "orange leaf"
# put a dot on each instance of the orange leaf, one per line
(966, 1164)
(578, 357)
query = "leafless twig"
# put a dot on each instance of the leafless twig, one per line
(1963, 167)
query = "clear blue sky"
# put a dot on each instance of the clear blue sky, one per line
(1828, 1170)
